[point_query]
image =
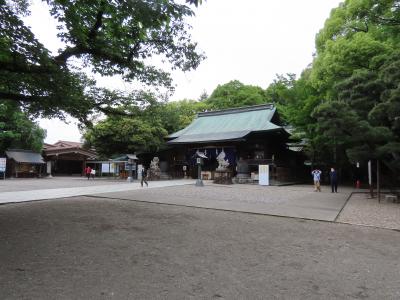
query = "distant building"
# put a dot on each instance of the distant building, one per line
(67, 158)
(24, 163)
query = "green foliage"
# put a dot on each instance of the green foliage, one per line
(17, 131)
(145, 127)
(235, 94)
(346, 106)
(177, 115)
(125, 135)
(108, 37)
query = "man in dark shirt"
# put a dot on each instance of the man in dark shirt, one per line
(333, 176)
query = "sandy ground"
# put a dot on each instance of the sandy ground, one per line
(90, 248)
(362, 210)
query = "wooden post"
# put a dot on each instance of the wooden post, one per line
(378, 184)
(370, 178)
(84, 167)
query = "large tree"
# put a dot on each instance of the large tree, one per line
(17, 130)
(145, 126)
(346, 105)
(235, 94)
(108, 37)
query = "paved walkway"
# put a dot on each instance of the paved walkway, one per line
(30, 184)
(54, 193)
(298, 201)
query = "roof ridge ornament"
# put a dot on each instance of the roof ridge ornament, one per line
(236, 110)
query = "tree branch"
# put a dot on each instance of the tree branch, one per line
(18, 68)
(67, 53)
(79, 48)
(99, 22)
(20, 97)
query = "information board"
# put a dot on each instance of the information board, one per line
(263, 174)
(107, 168)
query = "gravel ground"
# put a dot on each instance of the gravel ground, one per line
(89, 248)
(364, 211)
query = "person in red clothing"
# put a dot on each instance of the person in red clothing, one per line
(88, 170)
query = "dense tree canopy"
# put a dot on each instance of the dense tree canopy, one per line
(17, 130)
(235, 94)
(346, 104)
(107, 37)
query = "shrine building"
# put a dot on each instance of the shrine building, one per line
(248, 136)
(67, 158)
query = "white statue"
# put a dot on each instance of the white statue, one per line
(154, 168)
(154, 163)
(222, 162)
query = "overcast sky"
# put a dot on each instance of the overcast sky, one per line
(247, 40)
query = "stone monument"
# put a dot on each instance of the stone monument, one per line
(243, 172)
(223, 175)
(155, 171)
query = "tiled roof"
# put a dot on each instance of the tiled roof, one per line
(25, 156)
(62, 145)
(229, 124)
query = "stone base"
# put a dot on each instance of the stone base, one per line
(164, 176)
(242, 178)
(223, 177)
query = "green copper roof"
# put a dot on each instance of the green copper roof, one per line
(230, 124)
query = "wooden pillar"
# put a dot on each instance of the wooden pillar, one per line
(83, 167)
(378, 183)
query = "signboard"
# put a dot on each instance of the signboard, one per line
(3, 162)
(128, 165)
(48, 167)
(263, 174)
(107, 168)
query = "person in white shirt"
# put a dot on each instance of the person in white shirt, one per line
(316, 173)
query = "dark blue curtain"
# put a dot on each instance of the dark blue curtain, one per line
(212, 153)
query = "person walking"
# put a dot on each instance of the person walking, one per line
(93, 172)
(144, 177)
(88, 171)
(333, 177)
(316, 173)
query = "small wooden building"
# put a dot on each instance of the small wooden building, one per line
(248, 136)
(67, 158)
(24, 163)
